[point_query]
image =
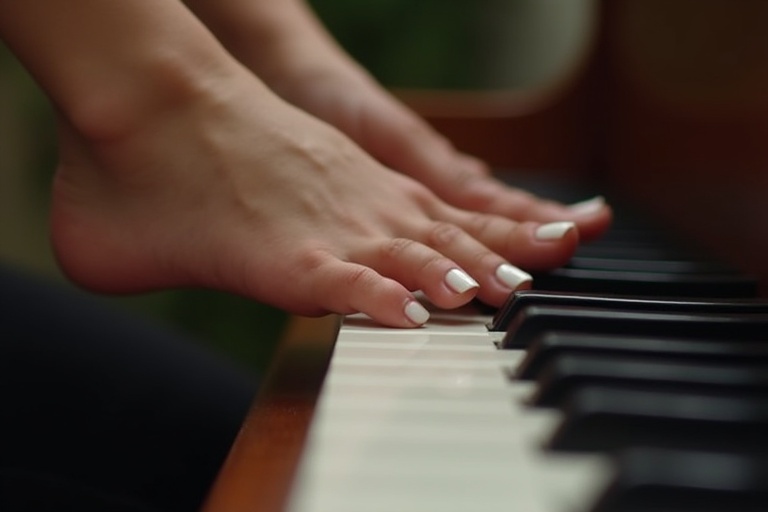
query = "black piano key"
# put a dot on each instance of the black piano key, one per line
(604, 419)
(564, 190)
(521, 299)
(687, 266)
(570, 372)
(632, 231)
(633, 234)
(685, 481)
(647, 283)
(635, 251)
(643, 262)
(552, 344)
(533, 321)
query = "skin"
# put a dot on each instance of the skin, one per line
(298, 58)
(244, 163)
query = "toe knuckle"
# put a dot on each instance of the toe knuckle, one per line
(480, 223)
(485, 259)
(441, 234)
(312, 259)
(420, 194)
(396, 248)
(466, 175)
(431, 265)
(360, 277)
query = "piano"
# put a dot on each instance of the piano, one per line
(632, 379)
(586, 394)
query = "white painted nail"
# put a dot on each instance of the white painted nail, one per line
(554, 230)
(459, 281)
(416, 313)
(589, 206)
(511, 276)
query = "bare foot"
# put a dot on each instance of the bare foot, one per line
(398, 138)
(303, 64)
(239, 191)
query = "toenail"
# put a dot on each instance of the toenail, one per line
(416, 313)
(589, 206)
(459, 281)
(554, 230)
(511, 276)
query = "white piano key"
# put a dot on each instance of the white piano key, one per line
(417, 338)
(431, 353)
(415, 476)
(421, 362)
(446, 344)
(426, 420)
(388, 376)
(440, 323)
(449, 374)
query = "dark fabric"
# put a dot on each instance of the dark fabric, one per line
(99, 411)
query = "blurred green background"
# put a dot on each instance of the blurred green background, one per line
(459, 44)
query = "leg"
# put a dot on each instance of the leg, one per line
(101, 412)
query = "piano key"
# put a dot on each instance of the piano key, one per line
(550, 345)
(647, 283)
(428, 419)
(571, 372)
(667, 266)
(634, 251)
(517, 301)
(633, 232)
(685, 481)
(397, 431)
(603, 419)
(533, 321)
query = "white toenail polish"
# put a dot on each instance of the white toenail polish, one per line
(554, 230)
(589, 206)
(459, 281)
(511, 276)
(416, 313)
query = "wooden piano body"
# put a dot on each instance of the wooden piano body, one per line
(668, 108)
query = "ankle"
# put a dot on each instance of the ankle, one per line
(112, 110)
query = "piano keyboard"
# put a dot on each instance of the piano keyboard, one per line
(633, 379)
(428, 421)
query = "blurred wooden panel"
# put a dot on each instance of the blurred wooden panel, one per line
(258, 473)
(687, 118)
(669, 107)
(517, 130)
